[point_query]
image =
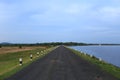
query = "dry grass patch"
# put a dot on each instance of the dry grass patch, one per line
(4, 50)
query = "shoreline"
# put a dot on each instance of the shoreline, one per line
(110, 68)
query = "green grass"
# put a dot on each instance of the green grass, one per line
(9, 63)
(113, 70)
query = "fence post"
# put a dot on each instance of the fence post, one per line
(100, 59)
(37, 54)
(31, 57)
(41, 52)
(20, 61)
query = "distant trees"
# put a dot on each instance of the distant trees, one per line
(60, 43)
(45, 44)
(49, 44)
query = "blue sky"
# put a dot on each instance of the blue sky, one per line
(31, 21)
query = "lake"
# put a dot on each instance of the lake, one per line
(110, 54)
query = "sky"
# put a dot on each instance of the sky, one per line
(33, 21)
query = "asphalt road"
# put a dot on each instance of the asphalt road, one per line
(61, 64)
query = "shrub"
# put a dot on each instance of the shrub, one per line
(20, 46)
(0, 46)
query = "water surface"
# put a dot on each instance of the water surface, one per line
(110, 54)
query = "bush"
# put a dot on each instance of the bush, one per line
(20, 46)
(0, 46)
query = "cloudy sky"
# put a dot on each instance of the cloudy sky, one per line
(31, 21)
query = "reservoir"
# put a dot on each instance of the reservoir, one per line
(110, 54)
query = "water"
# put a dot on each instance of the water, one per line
(110, 54)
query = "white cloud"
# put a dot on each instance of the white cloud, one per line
(81, 17)
(110, 12)
(61, 14)
(3, 13)
(73, 9)
(77, 9)
(8, 13)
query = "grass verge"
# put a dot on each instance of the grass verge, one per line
(113, 70)
(9, 63)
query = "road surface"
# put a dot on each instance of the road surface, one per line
(61, 64)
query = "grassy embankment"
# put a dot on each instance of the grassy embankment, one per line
(9, 62)
(113, 70)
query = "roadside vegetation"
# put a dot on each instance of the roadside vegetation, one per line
(9, 62)
(111, 69)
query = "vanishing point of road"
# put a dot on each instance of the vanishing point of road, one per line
(61, 64)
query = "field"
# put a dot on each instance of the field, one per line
(9, 58)
(5, 50)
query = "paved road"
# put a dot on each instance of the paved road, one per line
(61, 64)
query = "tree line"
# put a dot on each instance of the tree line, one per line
(45, 44)
(50, 44)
